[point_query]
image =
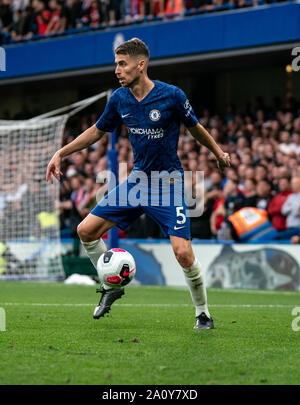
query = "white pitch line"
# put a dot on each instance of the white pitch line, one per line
(151, 305)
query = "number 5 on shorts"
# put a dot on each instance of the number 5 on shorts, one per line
(180, 215)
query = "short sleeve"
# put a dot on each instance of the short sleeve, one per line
(110, 118)
(184, 109)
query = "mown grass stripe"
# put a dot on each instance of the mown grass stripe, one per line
(150, 305)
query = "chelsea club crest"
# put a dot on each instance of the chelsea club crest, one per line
(154, 115)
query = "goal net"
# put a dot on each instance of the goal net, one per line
(30, 246)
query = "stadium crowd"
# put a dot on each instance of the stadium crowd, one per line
(22, 20)
(264, 145)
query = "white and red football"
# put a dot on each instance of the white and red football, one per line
(116, 268)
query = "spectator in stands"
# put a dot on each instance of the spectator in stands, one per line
(234, 198)
(231, 174)
(78, 202)
(6, 15)
(42, 16)
(217, 216)
(249, 173)
(275, 206)
(92, 15)
(64, 195)
(285, 145)
(171, 7)
(139, 8)
(13, 199)
(269, 151)
(241, 144)
(15, 26)
(116, 11)
(58, 20)
(261, 172)
(283, 171)
(78, 160)
(247, 224)
(91, 187)
(216, 181)
(89, 170)
(296, 125)
(22, 29)
(159, 7)
(249, 189)
(296, 143)
(288, 121)
(262, 197)
(266, 130)
(200, 225)
(291, 207)
(235, 160)
(242, 176)
(73, 10)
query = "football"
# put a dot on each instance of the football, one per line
(116, 268)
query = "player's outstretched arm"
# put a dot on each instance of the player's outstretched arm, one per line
(87, 138)
(203, 136)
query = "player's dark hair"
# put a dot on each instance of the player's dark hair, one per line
(133, 47)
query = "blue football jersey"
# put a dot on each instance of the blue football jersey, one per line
(153, 124)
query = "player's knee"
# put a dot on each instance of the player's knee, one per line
(81, 233)
(84, 234)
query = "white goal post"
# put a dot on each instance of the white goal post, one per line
(30, 247)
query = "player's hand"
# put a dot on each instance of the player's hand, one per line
(53, 168)
(223, 161)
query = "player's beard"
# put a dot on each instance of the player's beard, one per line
(131, 83)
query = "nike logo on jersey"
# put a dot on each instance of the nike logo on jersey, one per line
(125, 115)
(178, 227)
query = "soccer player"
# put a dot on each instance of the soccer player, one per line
(152, 112)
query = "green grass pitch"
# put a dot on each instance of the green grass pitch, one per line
(148, 337)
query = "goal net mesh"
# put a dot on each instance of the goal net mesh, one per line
(30, 245)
